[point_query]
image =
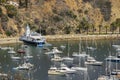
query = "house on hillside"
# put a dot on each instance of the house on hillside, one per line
(13, 3)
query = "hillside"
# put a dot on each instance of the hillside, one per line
(58, 16)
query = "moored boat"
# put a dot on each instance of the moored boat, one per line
(32, 37)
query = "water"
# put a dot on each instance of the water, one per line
(42, 62)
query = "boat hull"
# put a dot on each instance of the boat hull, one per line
(33, 43)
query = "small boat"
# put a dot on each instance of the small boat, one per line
(67, 59)
(25, 66)
(54, 71)
(109, 77)
(64, 69)
(45, 48)
(11, 51)
(79, 68)
(15, 58)
(62, 47)
(5, 48)
(116, 46)
(28, 57)
(92, 61)
(115, 72)
(82, 54)
(55, 50)
(21, 51)
(91, 48)
(3, 75)
(56, 58)
(113, 59)
(32, 37)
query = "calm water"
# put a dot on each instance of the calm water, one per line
(42, 62)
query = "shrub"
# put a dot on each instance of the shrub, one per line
(8, 33)
(4, 18)
(1, 12)
(57, 18)
(11, 10)
(71, 14)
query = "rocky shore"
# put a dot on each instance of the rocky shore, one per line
(64, 37)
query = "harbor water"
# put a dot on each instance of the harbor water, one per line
(42, 62)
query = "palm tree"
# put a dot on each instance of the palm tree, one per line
(113, 27)
(118, 23)
(106, 28)
(100, 26)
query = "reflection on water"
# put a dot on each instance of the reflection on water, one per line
(42, 62)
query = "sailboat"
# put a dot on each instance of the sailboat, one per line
(11, 51)
(108, 70)
(79, 68)
(65, 70)
(92, 61)
(108, 77)
(53, 51)
(113, 59)
(68, 58)
(54, 71)
(56, 58)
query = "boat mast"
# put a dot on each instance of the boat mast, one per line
(79, 50)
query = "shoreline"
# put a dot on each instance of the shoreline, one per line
(64, 37)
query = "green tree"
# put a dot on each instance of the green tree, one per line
(106, 28)
(68, 29)
(118, 23)
(11, 10)
(100, 26)
(113, 27)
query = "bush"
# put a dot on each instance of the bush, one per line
(1, 12)
(71, 14)
(8, 33)
(4, 18)
(57, 18)
(11, 10)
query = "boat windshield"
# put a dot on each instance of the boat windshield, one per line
(35, 34)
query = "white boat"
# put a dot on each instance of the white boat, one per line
(25, 66)
(32, 37)
(62, 47)
(15, 58)
(78, 68)
(53, 51)
(5, 48)
(11, 51)
(107, 78)
(3, 75)
(113, 59)
(91, 48)
(77, 54)
(56, 58)
(92, 61)
(28, 57)
(67, 59)
(116, 46)
(54, 71)
(65, 70)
